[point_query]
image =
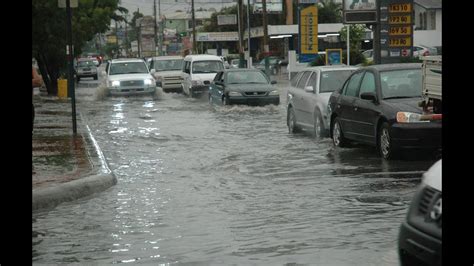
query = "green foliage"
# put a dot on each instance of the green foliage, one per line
(49, 32)
(329, 12)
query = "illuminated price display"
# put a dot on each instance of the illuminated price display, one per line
(402, 19)
(399, 42)
(399, 8)
(400, 30)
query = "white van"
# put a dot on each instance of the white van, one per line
(198, 72)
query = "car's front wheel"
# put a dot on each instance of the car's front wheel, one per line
(385, 144)
(225, 100)
(337, 135)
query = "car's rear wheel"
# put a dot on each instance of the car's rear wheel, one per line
(292, 127)
(318, 128)
(337, 135)
(385, 144)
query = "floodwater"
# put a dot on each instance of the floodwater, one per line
(204, 185)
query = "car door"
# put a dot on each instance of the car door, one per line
(186, 76)
(217, 90)
(344, 105)
(366, 112)
(308, 101)
(298, 96)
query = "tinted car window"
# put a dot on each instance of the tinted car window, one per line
(295, 79)
(401, 83)
(353, 85)
(128, 68)
(246, 77)
(163, 65)
(333, 80)
(368, 83)
(303, 80)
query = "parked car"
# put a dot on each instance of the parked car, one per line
(86, 68)
(308, 97)
(274, 64)
(167, 72)
(422, 50)
(379, 105)
(420, 237)
(243, 86)
(198, 72)
(129, 77)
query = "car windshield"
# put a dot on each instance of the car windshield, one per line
(128, 68)
(85, 63)
(168, 65)
(405, 83)
(246, 77)
(333, 80)
(207, 66)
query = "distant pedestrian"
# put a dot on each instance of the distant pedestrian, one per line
(37, 81)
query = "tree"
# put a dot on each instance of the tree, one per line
(356, 34)
(329, 12)
(49, 32)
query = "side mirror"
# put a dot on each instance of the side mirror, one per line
(273, 82)
(370, 96)
(309, 89)
(153, 71)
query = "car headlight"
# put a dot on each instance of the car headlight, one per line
(196, 82)
(148, 81)
(115, 83)
(234, 93)
(407, 117)
(274, 93)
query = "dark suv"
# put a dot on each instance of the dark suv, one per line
(86, 67)
(419, 241)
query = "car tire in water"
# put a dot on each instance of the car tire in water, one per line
(318, 127)
(384, 142)
(291, 122)
(337, 135)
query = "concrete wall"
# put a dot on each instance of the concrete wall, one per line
(427, 37)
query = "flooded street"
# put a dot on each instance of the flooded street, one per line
(204, 185)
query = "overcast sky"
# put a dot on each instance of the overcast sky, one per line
(170, 6)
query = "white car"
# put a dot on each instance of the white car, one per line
(420, 236)
(129, 77)
(308, 97)
(198, 72)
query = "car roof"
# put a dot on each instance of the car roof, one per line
(329, 68)
(126, 60)
(167, 57)
(396, 66)
(202, 57)
(242, 70)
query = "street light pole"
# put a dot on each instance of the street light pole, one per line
(70, 57)
(240, 25)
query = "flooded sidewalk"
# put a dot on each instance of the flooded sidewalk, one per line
(66, 166)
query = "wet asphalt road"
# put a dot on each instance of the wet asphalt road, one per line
(206, 185)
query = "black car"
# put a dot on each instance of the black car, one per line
(243, 86)
(379, 105)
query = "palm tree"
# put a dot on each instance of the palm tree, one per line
(329, 12)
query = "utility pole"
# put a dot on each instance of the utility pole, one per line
(194, 27)
(266, 49)
(70, 58)
(155, 28)
(162, 25)
(240, 23)
(248, 27)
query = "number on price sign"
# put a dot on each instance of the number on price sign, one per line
(399, 42)
(401, 19)
(399, 8)
(401, 30)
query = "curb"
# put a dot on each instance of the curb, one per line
(102, 179)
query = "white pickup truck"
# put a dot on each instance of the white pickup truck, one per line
(432, 85)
